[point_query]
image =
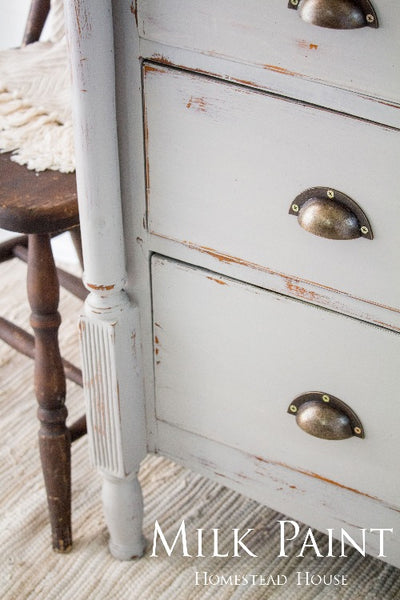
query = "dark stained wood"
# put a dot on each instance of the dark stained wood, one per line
(43, 205)
(7, 247)
(24, 342)
(78, 428)
(54, 436)
(38, 12)
(77, 241)
(68, 281)
(33, 202)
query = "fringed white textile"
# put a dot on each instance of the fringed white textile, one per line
(35, 101)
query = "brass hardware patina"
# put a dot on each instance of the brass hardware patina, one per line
(330, 214)
(325, 416)
(336, 14)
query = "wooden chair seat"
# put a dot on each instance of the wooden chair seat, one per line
(33, 202)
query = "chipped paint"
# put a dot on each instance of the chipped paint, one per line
(147, 164)
(262, 85)
(218, 255)
(133, 9)
(161, 58)
(302, 292)
(217, 280)
(99, 429)
(82, 17)
(156, 348)
(230, 79)
(282, 70)
(324, 479)
(306, 45)
(198, 104)
(152, 68)
(295, 290)
(93, 286)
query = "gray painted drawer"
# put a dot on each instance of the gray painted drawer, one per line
(270, 36)
(230, 358)
(224, 163)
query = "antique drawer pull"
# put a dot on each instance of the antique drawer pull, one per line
(325, 416)
(336, 14)
(330, 214)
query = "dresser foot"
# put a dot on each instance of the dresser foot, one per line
(123, 510)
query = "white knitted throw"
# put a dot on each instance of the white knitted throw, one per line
(35, 101)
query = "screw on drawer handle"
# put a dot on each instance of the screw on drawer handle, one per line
(336, 14)
(325, 416)
(330, 214)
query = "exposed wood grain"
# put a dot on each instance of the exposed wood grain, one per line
(24, 342)
(33, 202)
(37, 16)
(70, 282)
(54, 436)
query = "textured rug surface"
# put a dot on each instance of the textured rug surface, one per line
(30, 570)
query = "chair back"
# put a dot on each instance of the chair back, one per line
(37, 16)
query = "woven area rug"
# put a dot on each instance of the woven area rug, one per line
(30, 570)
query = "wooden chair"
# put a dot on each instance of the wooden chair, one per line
(41, 205)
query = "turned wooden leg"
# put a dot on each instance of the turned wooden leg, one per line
(54, 437)
(123, 511)
(77, 241)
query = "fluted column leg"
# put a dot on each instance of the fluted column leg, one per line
(113, 387)
(110, 328)
(54, 437)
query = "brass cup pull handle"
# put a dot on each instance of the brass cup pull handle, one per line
(336, 14)
(325, 416)
(330, 214)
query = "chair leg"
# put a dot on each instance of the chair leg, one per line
(77, 241)
(54, 437)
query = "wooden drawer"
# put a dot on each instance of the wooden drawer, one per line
(224, 164)
(230, 358)
(269, 35)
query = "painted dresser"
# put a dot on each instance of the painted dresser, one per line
(239, 198)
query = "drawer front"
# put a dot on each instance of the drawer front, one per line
(265, 33)
(225, 163)
(230, 358)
